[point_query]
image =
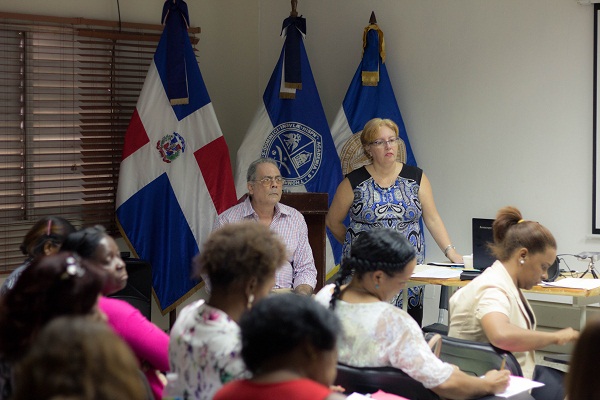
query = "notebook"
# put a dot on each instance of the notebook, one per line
(482, 235)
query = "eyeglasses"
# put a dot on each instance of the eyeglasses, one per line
(381, 142)
(266, 181)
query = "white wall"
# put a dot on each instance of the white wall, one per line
(496, 94)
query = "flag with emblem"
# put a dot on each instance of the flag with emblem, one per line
(291, 128)
(369, 96)
(175, 175)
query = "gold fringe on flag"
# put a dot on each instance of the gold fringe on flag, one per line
(287, 95)
(293, 85)
(381, 40)
(371, 78)
(178, 102)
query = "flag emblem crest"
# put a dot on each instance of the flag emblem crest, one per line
(170, 147)
(297, 148)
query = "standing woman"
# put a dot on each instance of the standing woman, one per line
(388, 194)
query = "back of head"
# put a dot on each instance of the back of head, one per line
(51, 229)
(237, 252)
(80, 358)
(85, 241)
(279, 324)
(380, 249)
(512, 232)
(51, 286)
(581, 380)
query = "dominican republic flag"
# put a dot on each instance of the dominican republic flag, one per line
(175, 175)
(291, 128)
(369, 96)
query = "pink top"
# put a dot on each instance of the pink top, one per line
(147, 341)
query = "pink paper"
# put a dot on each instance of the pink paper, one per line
(381, 395)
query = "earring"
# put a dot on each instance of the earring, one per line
(250, 301)
(377, 286)
(522, 261)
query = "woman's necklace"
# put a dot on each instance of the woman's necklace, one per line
(385, 180)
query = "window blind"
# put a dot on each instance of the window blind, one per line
(68, 89)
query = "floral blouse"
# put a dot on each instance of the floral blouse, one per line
(381, 335)
(205, 350)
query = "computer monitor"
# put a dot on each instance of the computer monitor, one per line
(482, 235)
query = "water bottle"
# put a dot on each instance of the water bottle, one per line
(174, 389)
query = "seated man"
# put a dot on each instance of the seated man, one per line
(265, 186)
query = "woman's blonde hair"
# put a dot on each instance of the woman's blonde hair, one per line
(369, 132)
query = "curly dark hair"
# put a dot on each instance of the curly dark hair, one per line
(380, 249)
(51, 286)
(278, 324)
(237, 252)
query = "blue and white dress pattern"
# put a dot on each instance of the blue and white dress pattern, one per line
(396, 207)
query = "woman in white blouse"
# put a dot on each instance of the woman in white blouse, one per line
(376, 334)
(205, 344)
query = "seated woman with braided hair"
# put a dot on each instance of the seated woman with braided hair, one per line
(378, 334)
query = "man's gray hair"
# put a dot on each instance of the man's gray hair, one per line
(251, 174)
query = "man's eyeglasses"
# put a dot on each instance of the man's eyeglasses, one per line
(266, 181)
(381, 142)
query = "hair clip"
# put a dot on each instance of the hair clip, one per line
(73, 269)
(49, 228)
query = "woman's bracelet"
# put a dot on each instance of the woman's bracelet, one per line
(447, 249)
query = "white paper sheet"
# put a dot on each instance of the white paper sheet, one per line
(357, 396)
(438, 272)
(517, 385)
(575, 283)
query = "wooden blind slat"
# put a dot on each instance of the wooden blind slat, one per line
(68, 88)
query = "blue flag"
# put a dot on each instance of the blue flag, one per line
(291, 128)
(369, 96)
(175, 176)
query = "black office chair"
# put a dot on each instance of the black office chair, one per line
(440, 327)
(138, 291)
(391, 380)
(476, 358)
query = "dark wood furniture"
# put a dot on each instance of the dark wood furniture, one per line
(313, 207)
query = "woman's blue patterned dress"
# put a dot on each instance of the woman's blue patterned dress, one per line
(397, 207)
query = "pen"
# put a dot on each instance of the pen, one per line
(503, 363)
